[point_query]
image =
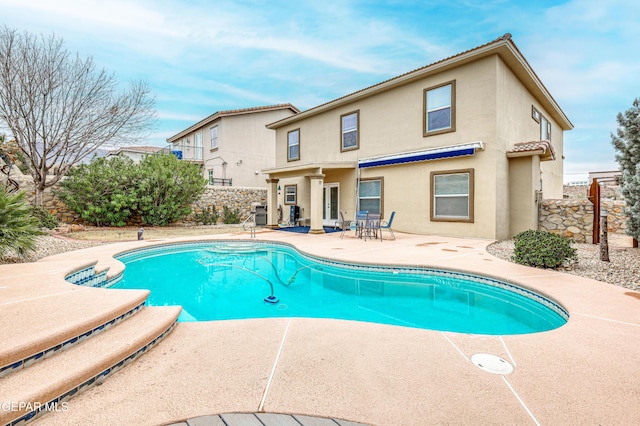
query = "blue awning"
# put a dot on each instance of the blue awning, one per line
(423, 155)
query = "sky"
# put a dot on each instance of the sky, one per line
(200, 57)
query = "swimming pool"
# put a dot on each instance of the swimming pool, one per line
(239, 280)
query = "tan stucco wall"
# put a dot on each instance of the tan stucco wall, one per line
(492, 106)
(524, 174)
(515, 124)
(244, 143)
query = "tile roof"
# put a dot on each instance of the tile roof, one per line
(229, 112)
(544, 148)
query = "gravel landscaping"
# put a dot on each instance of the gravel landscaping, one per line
(622, 270)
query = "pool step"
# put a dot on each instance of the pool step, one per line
(67, 373)
(41, 325)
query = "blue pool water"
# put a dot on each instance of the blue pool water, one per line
(231, 280)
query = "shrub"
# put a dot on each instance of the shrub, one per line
(47, 220)
(543, 249)
(208, 216)
(18, 226)
(230, 216)
(102, 192)
(166, 188)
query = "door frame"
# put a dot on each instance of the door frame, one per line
(326, 207)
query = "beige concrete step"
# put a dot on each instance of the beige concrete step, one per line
(34, 328)
(67, 373)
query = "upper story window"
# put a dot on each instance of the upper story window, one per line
(545, 125)
(545, 129)
(452, 196)
(293, 145)
(214, 137)
(198, 146)
(440, 109)
(349, 131)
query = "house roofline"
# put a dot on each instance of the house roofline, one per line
(228, 113)
(503, 46)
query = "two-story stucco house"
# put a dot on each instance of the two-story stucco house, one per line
(465, 146)
(233, 146)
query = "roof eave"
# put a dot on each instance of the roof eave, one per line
(504, 47)
(215, 116)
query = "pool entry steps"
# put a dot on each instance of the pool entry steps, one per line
(92, 333)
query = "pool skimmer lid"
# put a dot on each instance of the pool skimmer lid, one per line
(492, 364)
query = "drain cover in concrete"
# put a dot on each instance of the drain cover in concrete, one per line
(492, 363)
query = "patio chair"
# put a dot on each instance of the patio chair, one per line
(387, 225)
(358, 224)
(345, 225)
(372, 226)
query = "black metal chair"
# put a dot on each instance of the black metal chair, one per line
(372, 225)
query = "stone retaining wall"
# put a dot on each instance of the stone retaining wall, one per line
(234, 197)
(573, 218)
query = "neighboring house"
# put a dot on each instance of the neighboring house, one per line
(135, 152)
(233, 146)
(465, 146)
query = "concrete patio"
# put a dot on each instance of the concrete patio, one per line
(585, 372)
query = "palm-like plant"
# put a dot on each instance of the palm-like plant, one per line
(18, 226)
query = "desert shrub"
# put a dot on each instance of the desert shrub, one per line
(103, 191)
(47, 220)
(166, 187)
(18, 226)
(543, 249)
(208, 216)
(230, 216)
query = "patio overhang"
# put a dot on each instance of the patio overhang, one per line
(308, 169)
(422, 155)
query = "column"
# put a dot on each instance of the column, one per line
(316, 204)
(272, 203)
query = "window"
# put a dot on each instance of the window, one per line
(293, 145)
(214, 137)
(290, 192)
(349, 131)
(535, 114)
(545, 129)
(370, 195)
(211, 177)
(198, 147)
(452, 196)
(440, 109)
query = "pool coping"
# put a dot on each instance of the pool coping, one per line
(583, 372)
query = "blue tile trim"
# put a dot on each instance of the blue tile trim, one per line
(99, 378)
(8, 369)
(88, 277)
(176, 247)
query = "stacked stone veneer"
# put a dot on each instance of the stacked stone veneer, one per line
(234, 197)
(573, 218)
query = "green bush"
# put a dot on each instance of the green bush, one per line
(230, 216)
(108, 192)
(47, 220)
(18, 226)
(166, 187)
(103, 191)
(208, 216)
(543, 249)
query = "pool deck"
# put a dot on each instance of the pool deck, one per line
(586, 372)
